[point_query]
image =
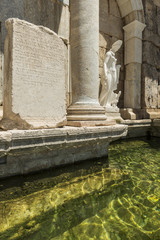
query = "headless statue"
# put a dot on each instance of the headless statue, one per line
(108, 98)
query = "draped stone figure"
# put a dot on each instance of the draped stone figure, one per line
(108, 98)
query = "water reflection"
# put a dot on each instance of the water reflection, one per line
(91, 200)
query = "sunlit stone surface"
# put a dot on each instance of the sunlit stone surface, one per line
(35, 89)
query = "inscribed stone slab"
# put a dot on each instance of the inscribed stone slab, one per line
(34, 76)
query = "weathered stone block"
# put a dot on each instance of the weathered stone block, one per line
(107, 20)
(150, 84)
(114, 9)
(133, 72)
(133, 52)
(151, 37)
(49, 13)
(32, 150)
(127, 6)
(35, 94)
(151, 54)
(132, 94)
(103, 40)
(102, 52)
(150, 15)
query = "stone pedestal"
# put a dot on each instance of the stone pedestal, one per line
(85, 105)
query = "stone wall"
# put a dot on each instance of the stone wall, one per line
(151, 56)
(111, 30)
(49, 13)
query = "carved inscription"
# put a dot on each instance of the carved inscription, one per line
(36, 61)
(37, 72)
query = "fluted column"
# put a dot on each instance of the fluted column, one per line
(84, 41)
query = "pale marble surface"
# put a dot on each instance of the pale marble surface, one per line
(108, 98)
(35, 90)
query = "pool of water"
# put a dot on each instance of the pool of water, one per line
(115, 198)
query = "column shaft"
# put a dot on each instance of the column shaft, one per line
(84, 41)
(133, 61)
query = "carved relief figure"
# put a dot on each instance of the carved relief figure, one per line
(108, 98)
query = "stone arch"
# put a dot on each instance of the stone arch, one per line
(133, 14)
(131, 10)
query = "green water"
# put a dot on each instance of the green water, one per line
(116, 198)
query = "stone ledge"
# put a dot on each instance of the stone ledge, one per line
(25, 151)
(138, 128)
(156, 128)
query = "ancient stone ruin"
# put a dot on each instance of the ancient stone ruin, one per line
(85, 64)
(34, 81)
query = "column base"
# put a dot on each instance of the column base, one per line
(128, 113)
(149, 113)
(91, 123)
(131, 113)
(87, 115)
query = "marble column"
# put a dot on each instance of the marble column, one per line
(84, 40)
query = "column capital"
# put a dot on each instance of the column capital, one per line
(134, 30)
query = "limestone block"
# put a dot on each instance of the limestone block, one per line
(150, 15)
(133, 51)
(132, 94)
(150, 72)
(64, 24)
(150, 81)
(127, 113)
(153, 113)
(127, 6)
(102, 52)
(135, 15)
(111, 25)
(35, 93)
(114, 9)
(151, 54)
(133, 42)
(151, 93)
(49, 13)
(103, 40)
(103, 9)
(32, 150)
(150, 36)
(133, 72)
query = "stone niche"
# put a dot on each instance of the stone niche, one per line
(111, 30)
(34, 80)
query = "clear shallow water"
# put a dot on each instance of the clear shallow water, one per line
(117, 199)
